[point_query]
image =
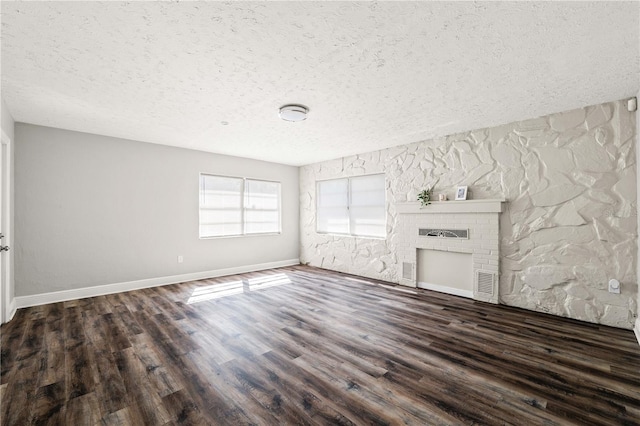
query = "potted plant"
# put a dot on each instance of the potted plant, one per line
(425, 197)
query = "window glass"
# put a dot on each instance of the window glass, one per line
(237, 206)
(262, 206)
(333, 206)
(354, 206)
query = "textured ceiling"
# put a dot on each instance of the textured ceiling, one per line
(374, 75)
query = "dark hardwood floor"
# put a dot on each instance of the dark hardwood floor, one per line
(305, 346)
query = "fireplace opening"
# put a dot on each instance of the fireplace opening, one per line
(445, 271)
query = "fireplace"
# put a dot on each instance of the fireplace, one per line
(456, 238)
(447, 271)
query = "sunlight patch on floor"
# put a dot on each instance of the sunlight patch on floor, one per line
(268, 281)
(231, 288)
(215, 291)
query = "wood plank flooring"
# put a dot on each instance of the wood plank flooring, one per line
(305, 346)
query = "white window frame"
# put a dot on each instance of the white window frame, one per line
(243, 232)
(351, 233)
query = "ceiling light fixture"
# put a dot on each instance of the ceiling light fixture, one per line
(294, 112)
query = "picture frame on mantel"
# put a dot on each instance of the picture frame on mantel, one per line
(461, 193)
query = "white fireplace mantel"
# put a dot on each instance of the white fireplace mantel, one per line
(439, 207)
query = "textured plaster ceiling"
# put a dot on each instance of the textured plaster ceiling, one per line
(374, 75)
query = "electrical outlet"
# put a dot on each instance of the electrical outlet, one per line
(180, 259)
(614, 286)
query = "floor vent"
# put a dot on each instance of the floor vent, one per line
(444, 233)
(485, 282)
(407, 270)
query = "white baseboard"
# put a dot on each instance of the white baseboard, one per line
(101, 290)
(448, 290)
(636, 330)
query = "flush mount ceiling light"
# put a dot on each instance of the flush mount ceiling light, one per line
(294, 112)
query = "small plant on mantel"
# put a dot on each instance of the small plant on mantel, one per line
(425, 197)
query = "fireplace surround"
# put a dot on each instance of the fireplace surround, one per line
(470, 226)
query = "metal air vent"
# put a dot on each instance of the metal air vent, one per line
(407, 270)
(485, 282)
(444, 233)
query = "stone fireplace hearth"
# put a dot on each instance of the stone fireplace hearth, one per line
(441, 227)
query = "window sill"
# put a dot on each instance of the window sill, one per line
(266, 234)
(364, 237)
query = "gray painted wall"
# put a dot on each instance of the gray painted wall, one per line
(93, 210)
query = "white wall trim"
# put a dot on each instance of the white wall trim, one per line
(5, 138)
(11, 310)
(8, 309)
(449, 290)
(636, 330)
(101, 290)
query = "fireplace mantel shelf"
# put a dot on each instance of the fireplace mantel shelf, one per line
(438, 207)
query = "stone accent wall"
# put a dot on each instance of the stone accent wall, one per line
(569, 223)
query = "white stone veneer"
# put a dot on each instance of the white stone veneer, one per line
(569, 223)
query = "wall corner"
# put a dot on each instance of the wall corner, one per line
(636, 329)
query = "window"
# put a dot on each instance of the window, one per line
(352, 206)
(261, 207)
(220, 206)
(237, 206)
